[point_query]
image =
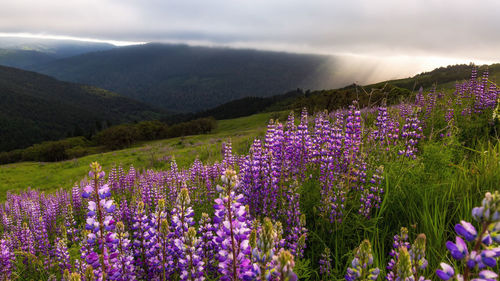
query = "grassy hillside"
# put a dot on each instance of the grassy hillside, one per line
(183, 78)
(444, 77)
(35, 108)
(156, 155)
(331, 180)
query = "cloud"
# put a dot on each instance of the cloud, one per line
(451, 29)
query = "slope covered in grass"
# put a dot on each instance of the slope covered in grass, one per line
(156, 155)
(307, 192)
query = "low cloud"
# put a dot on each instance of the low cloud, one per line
(460, 30)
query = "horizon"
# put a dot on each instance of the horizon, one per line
(419, 64)
(410, 36)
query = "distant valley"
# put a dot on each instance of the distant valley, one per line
(35, 108)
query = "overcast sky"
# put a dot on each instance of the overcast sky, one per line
(437, 32)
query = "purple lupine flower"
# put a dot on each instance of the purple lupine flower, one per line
(191, 261)
(446, 272)
(458, 250)
(232, 231)
(294, 222)
(372, 196)
(488, 275)
(207, 243)
(483, 254)
(122, 267)
(411, 133)
(182, 214)
(139, 227)
(255, 184)
(352, 133)
(99, 221)
(360, 265)
(62, 254)
(399, 241)
(325, 264)
(6, 260)
(381, 124)
(227, 152)
(419, 98)
(167, 251)
(26, 240)
(70, 224)
(467, 230)
(153, 241)
(76, 197)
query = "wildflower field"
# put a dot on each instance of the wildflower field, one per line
(391, 192)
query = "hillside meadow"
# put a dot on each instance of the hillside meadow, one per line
(50, 176)
(407, 191)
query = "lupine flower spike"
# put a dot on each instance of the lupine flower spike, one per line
(476, 250)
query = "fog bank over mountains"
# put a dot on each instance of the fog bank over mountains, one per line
(187, 78)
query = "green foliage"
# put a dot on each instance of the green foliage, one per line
(116, 137)
(125, 135)
(304, 269)
(47, 151)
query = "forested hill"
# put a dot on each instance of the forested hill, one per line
(190, 79)
(35, 107)
(26, 52)
(389, 92)
(23, 58)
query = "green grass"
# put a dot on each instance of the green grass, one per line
(427, 195)
(149, 155)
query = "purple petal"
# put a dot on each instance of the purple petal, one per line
(488, 274)
(442, 275)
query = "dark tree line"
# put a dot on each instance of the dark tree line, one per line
(115, 137)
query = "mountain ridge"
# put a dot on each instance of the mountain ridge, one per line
(189, 79)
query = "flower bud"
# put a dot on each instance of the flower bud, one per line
(66, 275)
(89, 273)
(164, 227)
(140, 207)
(404, 266)
(183, 198)
(75, 277)
(418, 247)
(120, 227)
(253, 239)
(161, 205)
(364, 253)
